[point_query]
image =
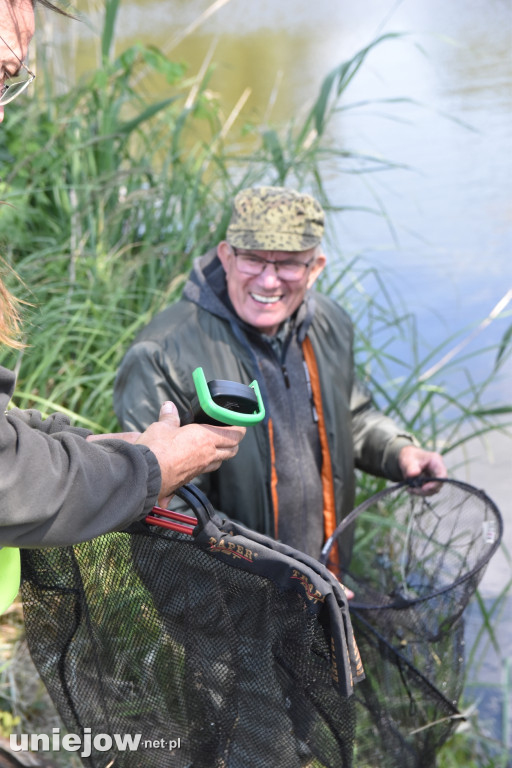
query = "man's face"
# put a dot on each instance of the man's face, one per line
(266, 300)
(17, 25)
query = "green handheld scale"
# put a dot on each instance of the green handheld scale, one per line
(222, 402)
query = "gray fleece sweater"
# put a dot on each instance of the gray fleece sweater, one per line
(58, 489)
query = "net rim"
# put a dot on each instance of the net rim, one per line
(402, 603)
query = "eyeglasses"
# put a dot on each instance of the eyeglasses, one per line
(251, 264)
(13, 86)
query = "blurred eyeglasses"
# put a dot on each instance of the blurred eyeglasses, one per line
(251, 264)
(13, 86)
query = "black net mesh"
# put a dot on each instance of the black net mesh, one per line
(221, 650)
(417, 561)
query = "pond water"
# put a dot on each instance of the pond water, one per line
(451, 209)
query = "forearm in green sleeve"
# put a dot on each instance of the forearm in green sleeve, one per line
(377, 439)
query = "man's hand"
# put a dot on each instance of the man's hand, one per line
(416, 461)
(184, 452)
(128, 437)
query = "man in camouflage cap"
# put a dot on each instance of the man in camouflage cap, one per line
(248, 312)
(277, 227)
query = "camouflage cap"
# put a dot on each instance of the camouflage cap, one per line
(275, 219)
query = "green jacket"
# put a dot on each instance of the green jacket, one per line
(201, 330)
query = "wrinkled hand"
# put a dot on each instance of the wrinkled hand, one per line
(128, 437)
(415, 461)
(184, 452)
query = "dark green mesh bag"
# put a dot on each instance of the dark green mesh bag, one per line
(220, 649)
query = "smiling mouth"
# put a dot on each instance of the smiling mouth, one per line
(265, 299)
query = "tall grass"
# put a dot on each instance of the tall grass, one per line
(111, 194)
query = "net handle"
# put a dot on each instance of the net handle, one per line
(198, 503)
(183, 523)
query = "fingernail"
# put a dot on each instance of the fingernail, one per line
(168, 407)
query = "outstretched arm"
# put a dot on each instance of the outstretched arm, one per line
(182, 453)
(58, 488)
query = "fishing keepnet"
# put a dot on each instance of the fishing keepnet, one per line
(223, 649)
